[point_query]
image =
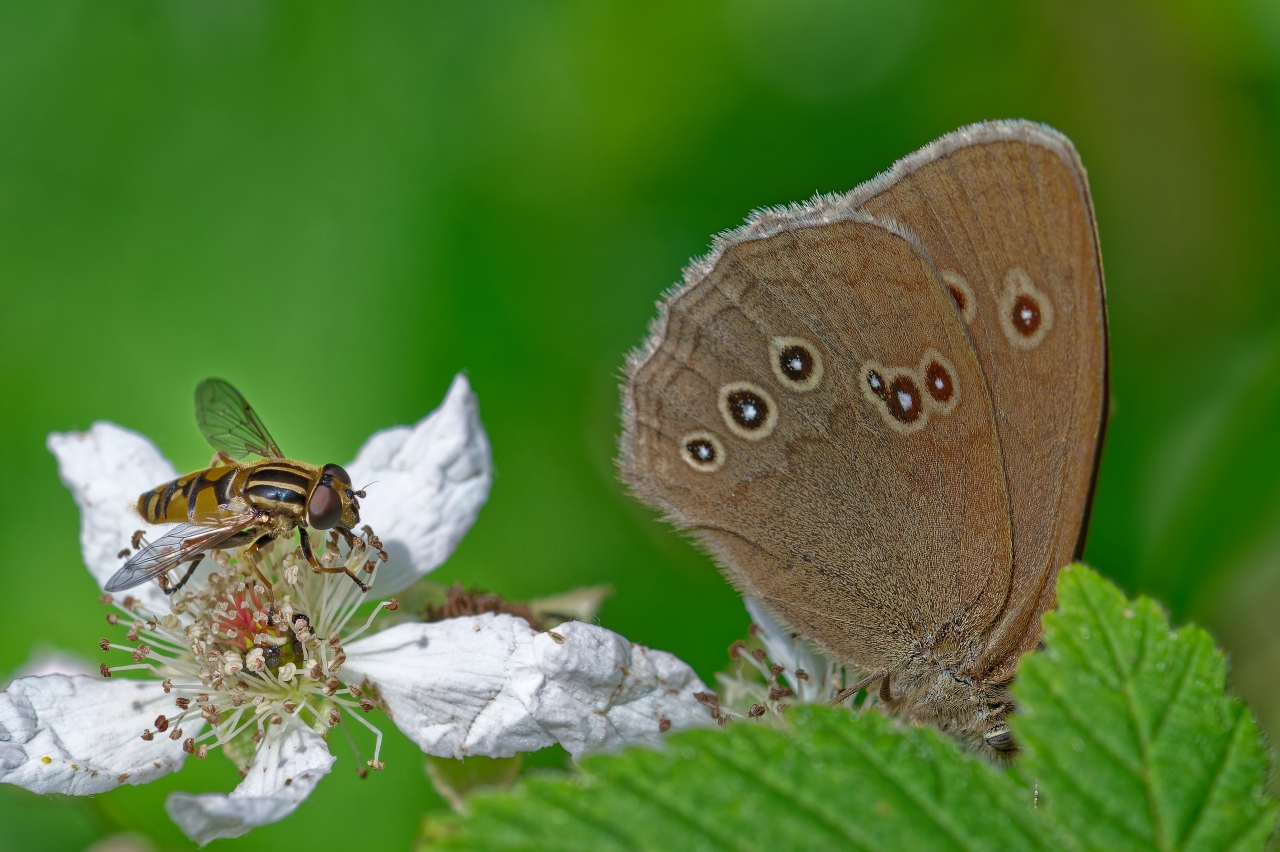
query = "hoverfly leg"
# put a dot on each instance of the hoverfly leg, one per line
(320, 569)
(364, 587)
(251, 554)
(221, 459)
(164, 582)
(304, 538)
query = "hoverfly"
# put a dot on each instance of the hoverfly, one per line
(233, 503)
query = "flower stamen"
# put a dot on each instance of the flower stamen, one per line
(238, 656)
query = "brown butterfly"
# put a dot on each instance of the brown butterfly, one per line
(882, 413)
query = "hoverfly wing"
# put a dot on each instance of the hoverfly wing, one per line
(176, 546)
(230, 423)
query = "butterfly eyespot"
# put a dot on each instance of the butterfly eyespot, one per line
(905, 401)
(796, 362)
(940, 381)
(702, 451)
(961, 294)
(878, 385)
(896, 394)
(1026, 313)
(748, 410)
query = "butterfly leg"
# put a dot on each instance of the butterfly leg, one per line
(885, 694)
(850, 691)
(164, 582)
(305, 538)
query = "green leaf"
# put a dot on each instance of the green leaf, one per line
(1126, 728)
(835, 782)
(1130, 743)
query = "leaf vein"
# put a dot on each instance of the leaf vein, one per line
(793, 797)
(873, 760)
(1045, 755)
(1183, 680)
(653, 795)
(1144, 746)
(1216, 779)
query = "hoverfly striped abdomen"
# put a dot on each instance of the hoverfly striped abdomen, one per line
(186, 498)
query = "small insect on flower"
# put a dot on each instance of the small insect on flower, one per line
(234, 504)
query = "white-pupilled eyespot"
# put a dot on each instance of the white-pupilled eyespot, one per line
(1026, 312)
(702, 451)
(940, 381)
(897, 394)
(748, 410)
(796, 362)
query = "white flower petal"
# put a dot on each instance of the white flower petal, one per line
(431, 480)
(289, 763)
(784, 647)
(106, 469)
(493, 685)
(595, 691)
(438, 678)
(83, 735)
(788, 649)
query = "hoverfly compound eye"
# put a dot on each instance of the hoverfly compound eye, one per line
(337, 472)
(324, 509)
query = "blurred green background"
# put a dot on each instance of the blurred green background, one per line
(339, 205)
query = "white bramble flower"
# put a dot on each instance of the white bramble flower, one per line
(265, 675)
(784, 671)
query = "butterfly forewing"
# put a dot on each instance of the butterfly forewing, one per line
(230, 424)
(1003, 211)
(863, 530)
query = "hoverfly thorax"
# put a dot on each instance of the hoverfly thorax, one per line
(332, 503)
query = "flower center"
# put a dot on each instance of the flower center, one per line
(239, 656)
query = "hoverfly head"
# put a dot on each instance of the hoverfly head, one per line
(332, 502)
